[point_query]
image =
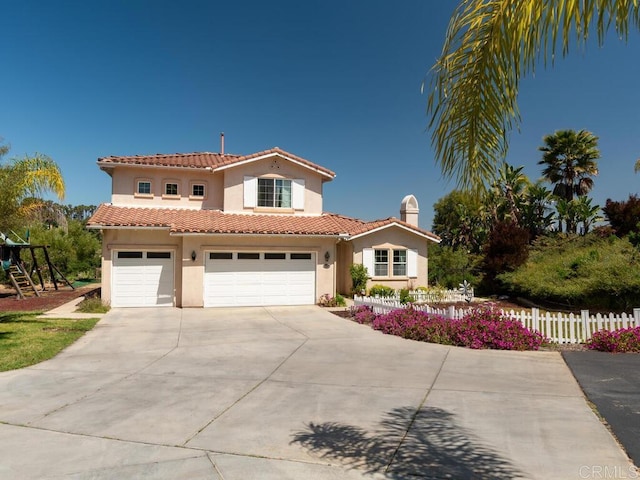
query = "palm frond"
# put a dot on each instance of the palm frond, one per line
(489, 46)
(39, 174)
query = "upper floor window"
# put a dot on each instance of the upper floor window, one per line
(143, 187)
(197, 190)
(274, 192)
(171, 188)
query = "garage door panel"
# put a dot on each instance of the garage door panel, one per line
(143, 281)
(263, 281)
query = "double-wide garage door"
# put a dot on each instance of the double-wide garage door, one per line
(259, 278)
(142, 279)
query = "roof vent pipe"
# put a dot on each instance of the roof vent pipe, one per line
(222, 143)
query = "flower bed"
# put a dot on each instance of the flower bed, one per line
(622, 340)
(482, 327)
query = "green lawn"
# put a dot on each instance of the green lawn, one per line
(26, 340)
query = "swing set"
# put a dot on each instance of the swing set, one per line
(19, 274)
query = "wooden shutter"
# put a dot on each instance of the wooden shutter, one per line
(250, 191)
(412, 263)
(297, 194)
(367, 260)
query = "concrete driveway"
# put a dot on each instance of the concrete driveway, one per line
(292, 393)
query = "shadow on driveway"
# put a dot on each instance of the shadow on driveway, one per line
(426, 444)
(611, 381)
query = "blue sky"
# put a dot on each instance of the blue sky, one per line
(334, 81)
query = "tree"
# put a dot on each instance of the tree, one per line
(509, 191)
(459, 221)
(489, 46)
(74, 250)
(569, 160)
(624, 217)
(537, 215)
(586, 213)
(506, 249)
(449, 267)
(23, 181)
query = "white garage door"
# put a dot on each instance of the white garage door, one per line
(142, 279)
(259, 278)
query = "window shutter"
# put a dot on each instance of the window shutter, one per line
(367, 260)
(412, 263)
(250, 191)
(297, 194)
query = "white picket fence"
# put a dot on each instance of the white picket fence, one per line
(557, 327)
(435, 296)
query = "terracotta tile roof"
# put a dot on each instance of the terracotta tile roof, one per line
(217, 222)
(213, 161)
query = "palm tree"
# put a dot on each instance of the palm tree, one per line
(489, 46)
(510, 187)
(586, 213)
(570, 158)
(23, 181)
(566, 213)
(636, 167)
(537, 214)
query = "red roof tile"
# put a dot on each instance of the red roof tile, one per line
(217, 222)
(203, 160)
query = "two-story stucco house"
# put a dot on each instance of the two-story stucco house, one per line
(215, 229)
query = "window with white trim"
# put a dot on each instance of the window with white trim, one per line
(381, 263)
(197, 190)
(399, 263)
(171, 188)
(143, 187)
(274, 192)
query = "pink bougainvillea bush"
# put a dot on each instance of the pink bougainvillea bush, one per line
(487, 327)
(415, 325)
(363, 314)
(482, 327)
(618, 341)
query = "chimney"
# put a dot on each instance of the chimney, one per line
(409, 210)
(222, 143)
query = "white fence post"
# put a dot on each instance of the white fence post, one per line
(586, 330)
(535, 319)
(636, 316)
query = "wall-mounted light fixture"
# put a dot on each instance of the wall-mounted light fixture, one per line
(327, 256)
(193, 256)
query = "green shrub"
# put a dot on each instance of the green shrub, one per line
(92, 305)
(581, 272)
(327, 300)
(359, 277)
(450, 267)
(405, 297)
(381, 291)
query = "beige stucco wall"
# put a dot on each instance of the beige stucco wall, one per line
(274, 167)
(393, 237)
(135, 239)
(124, 181)
(345, 259)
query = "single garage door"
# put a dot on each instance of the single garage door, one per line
(142, 279)
(259, 278)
